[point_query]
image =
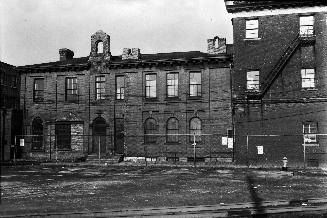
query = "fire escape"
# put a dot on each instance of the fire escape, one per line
(300, 40)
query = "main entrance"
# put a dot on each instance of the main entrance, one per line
(99, 136)
(119, 135)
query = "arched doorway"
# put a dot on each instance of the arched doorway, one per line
(99, 136)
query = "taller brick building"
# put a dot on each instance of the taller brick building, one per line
(280, 82)
(143, 105)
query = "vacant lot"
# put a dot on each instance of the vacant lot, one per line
(30, 189)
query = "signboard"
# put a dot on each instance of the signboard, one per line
(230, 142)
(260, 149)
(21, 142)
(224, 140)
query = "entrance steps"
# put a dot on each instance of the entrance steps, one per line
(94, 159)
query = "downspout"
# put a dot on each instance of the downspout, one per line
(232, 109)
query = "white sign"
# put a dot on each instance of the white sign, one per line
(21, 142)
(224, 140)
(230, 142)
(260, 149)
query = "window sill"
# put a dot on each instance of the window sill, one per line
(172, 99)
(194, 97)
(172, 143)
(252, 39)
(309, 89)
(311, 144)
(37, 150)
(151, 99)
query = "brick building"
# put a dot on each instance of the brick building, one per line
(143, 105)
(10, 115)
(280, 82)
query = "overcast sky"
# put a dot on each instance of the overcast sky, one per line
(32, 31)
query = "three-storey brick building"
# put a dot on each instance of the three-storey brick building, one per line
(142, 105)
(279, 81)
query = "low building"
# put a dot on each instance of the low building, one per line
(140, 105)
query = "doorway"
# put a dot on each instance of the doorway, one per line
(119, 136)
(99, 136)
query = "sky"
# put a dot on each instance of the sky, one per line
(33, 31)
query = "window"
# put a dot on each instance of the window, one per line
(308, 78)
(71, 89)
(252, 27)
(38, 92)
(150, 127)
(150, 86)
(195, 129)
(172, 130)
(100, 90)
(195, 84)
(37, 132)
(120, 87)
(306, 25)
(63, 136)
(252, 81)
(310, 130)
(172, 85)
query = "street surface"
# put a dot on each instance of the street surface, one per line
(39, 189)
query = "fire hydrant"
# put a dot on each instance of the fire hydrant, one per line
(284, 168)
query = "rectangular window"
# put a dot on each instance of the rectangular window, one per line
(195, 84)
(150, 86)
(310, 129)
(252, 27)
(306, 25)
(308, 78)
(100, 90)
(252, 81)
(38, 92)
(172, 85)
(63, 136)
(120, 87)
(71, 89)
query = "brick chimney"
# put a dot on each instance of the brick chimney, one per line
(216, 45)
(66, 54)
(131, 54)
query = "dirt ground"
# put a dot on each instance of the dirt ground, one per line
(32, 189)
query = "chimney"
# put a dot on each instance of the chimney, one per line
(216, 45)
(131, 54)
(66, 54)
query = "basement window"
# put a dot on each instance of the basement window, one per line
(306, 25)
(252, 29)
(308, 78)
(252, 81)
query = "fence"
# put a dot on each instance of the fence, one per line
(270, 151)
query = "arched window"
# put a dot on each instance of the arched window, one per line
(195, 129)
(150, 127)
(37, 132)
(172, 130)
(100, 47)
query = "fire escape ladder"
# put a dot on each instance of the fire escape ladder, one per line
(279, 66)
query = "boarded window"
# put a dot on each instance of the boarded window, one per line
(306, 25)
(172, 130)
(63, 136)
(308, 78)
(252, 81)
(37, 132)
(252, 27)
(195, 129)
(150, 129)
